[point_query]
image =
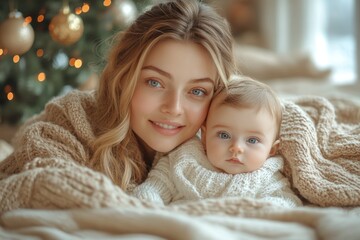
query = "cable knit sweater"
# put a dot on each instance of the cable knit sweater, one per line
(186, 174)
(50, 167)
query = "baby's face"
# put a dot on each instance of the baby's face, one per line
(239, 140)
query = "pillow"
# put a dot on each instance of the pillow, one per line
(263, 64)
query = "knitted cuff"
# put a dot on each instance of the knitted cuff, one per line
(148, 195)
(78, 187)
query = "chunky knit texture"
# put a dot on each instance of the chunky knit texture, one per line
(186, 174)
(320, 138)
(50, 168)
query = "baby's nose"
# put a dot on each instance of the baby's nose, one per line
(236, 149)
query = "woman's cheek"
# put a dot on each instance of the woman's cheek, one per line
(201, 111)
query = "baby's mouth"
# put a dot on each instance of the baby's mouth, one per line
(235, 160)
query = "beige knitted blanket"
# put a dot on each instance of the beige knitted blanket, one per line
(321, 147)
(320, 139)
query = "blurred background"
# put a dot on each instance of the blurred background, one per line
(48, 48)
(322, 30)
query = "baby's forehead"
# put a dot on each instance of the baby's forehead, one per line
(221, 101)
(236, 101)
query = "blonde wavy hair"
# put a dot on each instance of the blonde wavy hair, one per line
(117, 152)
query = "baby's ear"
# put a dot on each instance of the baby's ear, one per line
(203, 136)
(274, 148)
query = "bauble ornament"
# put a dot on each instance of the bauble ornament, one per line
(124, 12)
(66, 28)
(16, 35)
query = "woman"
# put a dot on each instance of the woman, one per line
(154, 94)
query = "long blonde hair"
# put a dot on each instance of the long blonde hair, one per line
(117, 152)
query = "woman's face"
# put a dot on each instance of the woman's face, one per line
(172, 94)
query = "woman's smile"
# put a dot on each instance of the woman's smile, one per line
(168, 128)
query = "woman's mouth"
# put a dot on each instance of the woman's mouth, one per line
(167, 128)
(164, 125)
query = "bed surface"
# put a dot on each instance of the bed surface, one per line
(233, 218)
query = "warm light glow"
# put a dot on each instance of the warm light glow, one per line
(72, 62)
(41, 76)
(78, 10)
(16, 58)
(28, 19)
(85, 8)
(10, 96)
(1, 51)
(78, 63)
(40, 52)
(107, 3)
(40, 18)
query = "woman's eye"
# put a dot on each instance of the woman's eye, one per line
(224, 135)
(154, 83)
(253, 140)
(198, 92)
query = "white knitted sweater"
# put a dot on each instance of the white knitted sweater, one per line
(186, 174)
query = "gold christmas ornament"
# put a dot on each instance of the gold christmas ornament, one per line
(16, 35)
(66, 28)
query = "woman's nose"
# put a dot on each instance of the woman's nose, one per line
(173, 104)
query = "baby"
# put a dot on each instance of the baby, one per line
(235, 156)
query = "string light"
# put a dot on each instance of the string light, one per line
(9, 93)
(75, 62)
(72, 62)
(107, 3)
(78, 10)
(41, 76)
(40, 52)
(40, 18)
(10, 96)
(16, 58)
(1, 51)
(85, 7)
(78, 63)
(27, 21)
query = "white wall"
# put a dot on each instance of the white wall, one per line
(291, 26)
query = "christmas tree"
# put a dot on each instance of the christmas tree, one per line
(56, 48)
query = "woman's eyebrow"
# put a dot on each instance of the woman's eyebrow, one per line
(158, 70)
(168, 75)
(207, 79)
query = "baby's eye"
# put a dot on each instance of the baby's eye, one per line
(198, 92)
(253, 140)
(224, 135)
(154, 83)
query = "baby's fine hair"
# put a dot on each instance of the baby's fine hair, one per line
(186, 20)
(245, 92)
